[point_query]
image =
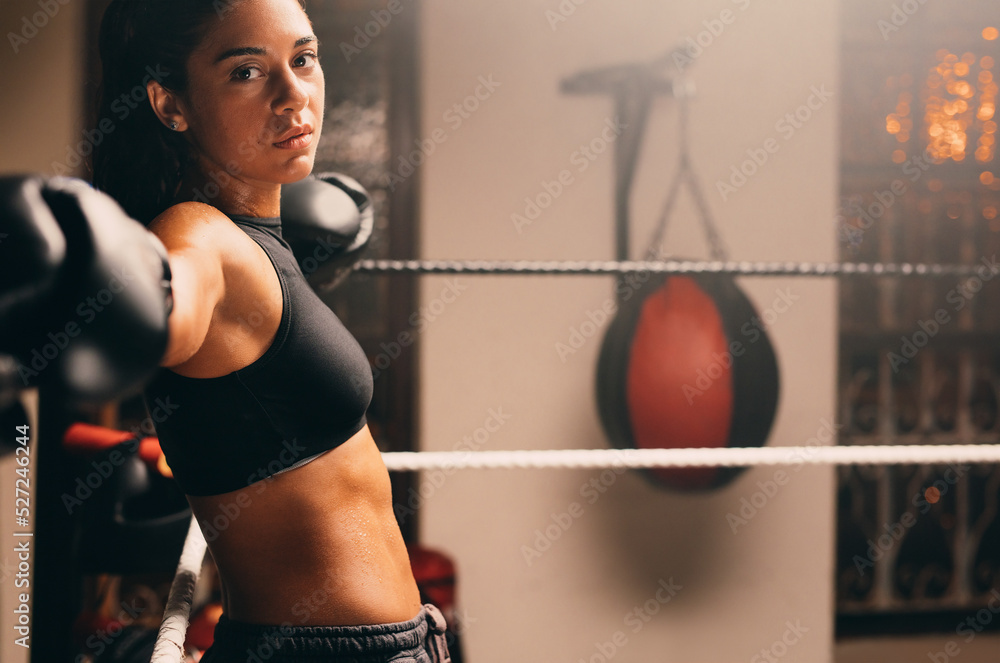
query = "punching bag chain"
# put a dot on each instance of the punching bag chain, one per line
(685, 173)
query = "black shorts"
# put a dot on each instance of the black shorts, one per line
(418, 640)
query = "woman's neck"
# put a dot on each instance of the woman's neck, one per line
(229, 194)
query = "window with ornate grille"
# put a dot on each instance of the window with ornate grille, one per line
(919, 546)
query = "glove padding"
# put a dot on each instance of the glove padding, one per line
(328, 221)
(32, 249)
(86, 294)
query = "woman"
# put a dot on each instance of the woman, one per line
(268, 437)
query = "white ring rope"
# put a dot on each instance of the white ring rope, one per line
(170, 641)
(173, 630)
(700, 457)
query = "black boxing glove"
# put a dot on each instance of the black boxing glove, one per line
(85, 296)
(327, 220)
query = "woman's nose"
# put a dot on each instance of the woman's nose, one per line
(292, 94)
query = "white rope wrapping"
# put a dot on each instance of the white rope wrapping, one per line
(173, 630)
(725, 457)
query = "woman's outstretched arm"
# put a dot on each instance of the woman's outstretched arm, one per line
(192, 234)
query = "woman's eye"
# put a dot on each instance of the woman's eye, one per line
(245, 74)
(305, 58)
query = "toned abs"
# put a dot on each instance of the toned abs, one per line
(318, 544)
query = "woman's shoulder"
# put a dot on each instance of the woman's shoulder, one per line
(191, 220)
(194, 226)
(208, 233)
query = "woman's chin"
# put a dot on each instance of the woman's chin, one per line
(299, 169)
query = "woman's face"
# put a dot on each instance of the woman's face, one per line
(253, 83)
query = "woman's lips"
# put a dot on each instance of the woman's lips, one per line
(295, 142)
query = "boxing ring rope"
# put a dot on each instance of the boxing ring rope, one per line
(580, 459)
(599, 267)
(170, 642)
(177, 613)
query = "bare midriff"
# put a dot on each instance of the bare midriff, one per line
(315, 545)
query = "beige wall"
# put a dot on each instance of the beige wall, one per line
(39, 118)
(494, 347)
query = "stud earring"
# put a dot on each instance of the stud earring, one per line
(173, 125)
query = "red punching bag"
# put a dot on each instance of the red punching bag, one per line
(686, 363)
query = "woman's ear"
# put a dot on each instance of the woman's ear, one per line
(167, 106)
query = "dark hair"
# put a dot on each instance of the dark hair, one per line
(139, 161)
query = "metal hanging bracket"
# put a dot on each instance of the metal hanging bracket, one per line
(634, 87)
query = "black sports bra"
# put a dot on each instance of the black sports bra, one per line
(305, 395)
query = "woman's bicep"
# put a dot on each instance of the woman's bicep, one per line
(197, 290)
(194, 253)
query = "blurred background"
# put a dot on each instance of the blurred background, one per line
(858, 130)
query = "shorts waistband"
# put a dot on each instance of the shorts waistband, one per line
(266, 642)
